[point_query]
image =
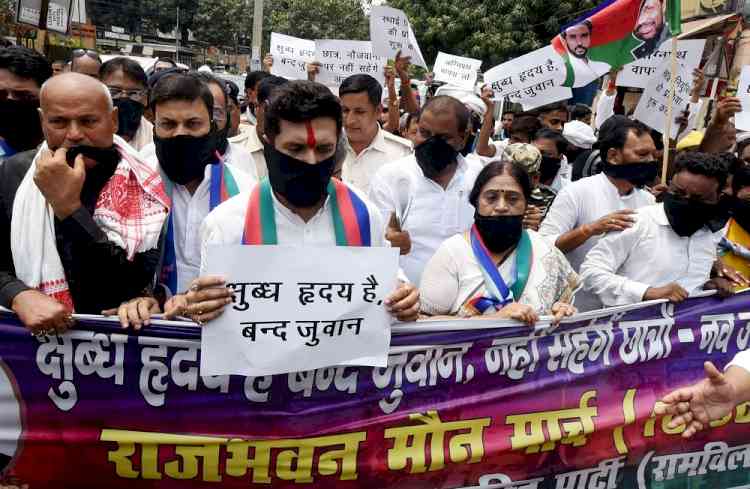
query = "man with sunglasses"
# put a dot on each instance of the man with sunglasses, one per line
(22, 73)
(86, 62)
(127, 82)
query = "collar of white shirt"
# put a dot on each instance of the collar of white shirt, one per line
(378, 144)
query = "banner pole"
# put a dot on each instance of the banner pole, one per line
(670, 107)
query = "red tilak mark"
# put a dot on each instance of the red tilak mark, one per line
(311, 141)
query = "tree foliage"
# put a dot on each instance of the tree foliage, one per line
(491, 30)
(7, 16)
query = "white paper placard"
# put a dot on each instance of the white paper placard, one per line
(742, 119)
(639, 72)
(294, 310)
(653, 106)
(533, 80)
(290, 55)
(457, 70)
(341, 59)
(391, 32)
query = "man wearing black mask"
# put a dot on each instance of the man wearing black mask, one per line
(127, 84)
(586, 209)
(303, 128)
(22, 73)
(82, 215)
(232, 153)
(186, 147)
(427, 193)
(670, 250)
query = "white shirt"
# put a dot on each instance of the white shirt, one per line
(358, 169)
(623, 265)
(249, 140)
(188, 212)
(742, 360)
(435, 214)
(583, 202)
(143, 136)
(605, 108)
(239, 157)
(226, 224)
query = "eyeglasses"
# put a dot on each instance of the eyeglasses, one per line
(118, 92)
(77, 53)
(220, 115)
(20, 95)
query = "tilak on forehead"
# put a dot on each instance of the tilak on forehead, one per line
(311, 141)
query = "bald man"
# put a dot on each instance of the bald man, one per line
(83, 214)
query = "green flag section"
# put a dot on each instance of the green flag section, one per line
(614, 34)
(674, 16)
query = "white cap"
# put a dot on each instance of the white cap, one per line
(474, 104)
(579, 134)
(205, 69)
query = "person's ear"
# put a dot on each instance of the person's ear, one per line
(614, 156)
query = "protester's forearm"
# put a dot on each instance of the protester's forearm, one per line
(713, 140)
(10, 287)
(393, 112)
(573, 239)
(484, 148)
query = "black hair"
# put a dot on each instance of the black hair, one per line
(580, 111)
(586, 22)
(730, 161)
(129, 68)
(658, 139)
(446, 103)
(506, 112)
(58, 61)
(617, 135)
(412, 117)
(495, 169)
(300, 101)
(25, 63)
(560, 142)
(268, 85)
(554, 107)
(705, 164)
(233, 91)
(253, 78)
(525, 124)
(740, 179)
(210, 79)
(363, 83)
(180, 86)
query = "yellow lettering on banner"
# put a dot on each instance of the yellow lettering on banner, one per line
(294, 458)
(410, 443)
(528, 429)
(721, 422)
(238, 461)
(628, 411)
(150, 443)
(743, 413)
(671, 431)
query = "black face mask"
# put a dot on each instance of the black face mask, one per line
(499, 233)
(184, 158)
(549, 168)
(687, 217)
(435, 155)
(639, 174)
(129, 113)
(741, 213)
(301, 183)
(19, 124)
(107, 160)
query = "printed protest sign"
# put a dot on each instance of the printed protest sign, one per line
(653, 106)
(290, 55)
(533, 80)
(340, 59)
(457, 70)
(391, 32)
(742, 119)
(291, 314)
(639, 72)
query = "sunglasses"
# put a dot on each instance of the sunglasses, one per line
(77, 53)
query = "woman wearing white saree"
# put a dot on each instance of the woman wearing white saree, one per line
(497, 269)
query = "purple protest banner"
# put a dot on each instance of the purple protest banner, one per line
(461, 404)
